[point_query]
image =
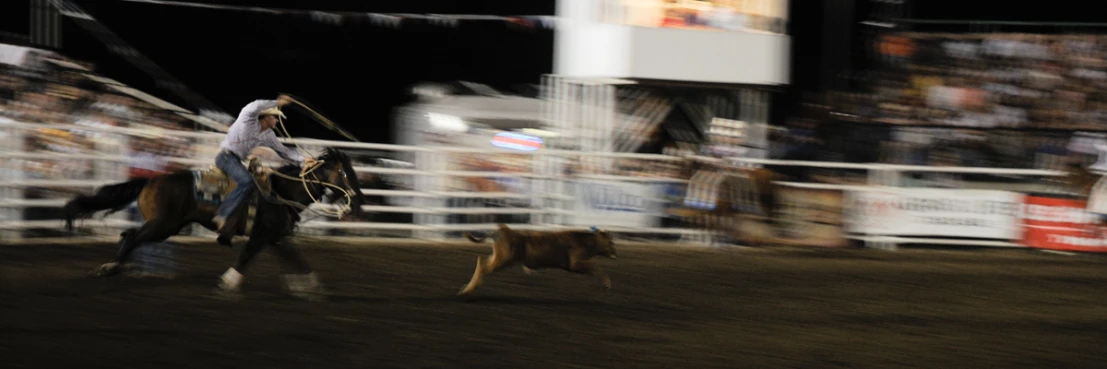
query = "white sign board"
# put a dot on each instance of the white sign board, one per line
(935, 212)
(619, 204)
(13, 55)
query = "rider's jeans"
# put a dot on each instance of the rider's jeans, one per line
(232, 166)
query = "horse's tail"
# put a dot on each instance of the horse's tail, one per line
(115, 197)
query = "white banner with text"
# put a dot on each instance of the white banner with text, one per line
(935, 212)
(619, 204)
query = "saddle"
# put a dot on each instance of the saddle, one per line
(212, 185)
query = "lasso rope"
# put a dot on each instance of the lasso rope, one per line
(321, 119)
(310, 169)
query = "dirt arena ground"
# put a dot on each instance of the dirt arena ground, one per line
(394, 307)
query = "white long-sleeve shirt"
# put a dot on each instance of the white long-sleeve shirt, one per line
(245, 134)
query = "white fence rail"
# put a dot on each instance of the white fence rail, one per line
(550, 195)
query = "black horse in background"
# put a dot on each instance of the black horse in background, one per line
(168, 203)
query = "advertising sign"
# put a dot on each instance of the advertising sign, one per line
(1060, 224)
(619, 204)
(936, 213)
(13, 55)
(516, 141)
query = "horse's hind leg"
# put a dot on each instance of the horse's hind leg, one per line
(152, 231)
(113, 268)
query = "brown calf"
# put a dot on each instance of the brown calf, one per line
(568, 250)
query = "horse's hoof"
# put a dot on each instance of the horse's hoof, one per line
(223, 293)
(304, 286)
(312, 297)
(315, 295)
(157, 275)
(106, 270)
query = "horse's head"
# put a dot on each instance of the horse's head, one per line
(338, 170)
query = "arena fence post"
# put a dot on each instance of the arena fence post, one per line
(12, 170)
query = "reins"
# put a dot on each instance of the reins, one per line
(307, 170)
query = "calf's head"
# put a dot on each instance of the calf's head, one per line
(605, 245)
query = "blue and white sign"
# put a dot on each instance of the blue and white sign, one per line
(516, 141)
(619, 204)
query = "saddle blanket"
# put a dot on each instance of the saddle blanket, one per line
(210, 185)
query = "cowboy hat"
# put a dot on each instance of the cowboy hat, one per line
(272, 111)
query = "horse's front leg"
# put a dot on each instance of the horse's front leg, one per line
(300, 281)
(231, 280)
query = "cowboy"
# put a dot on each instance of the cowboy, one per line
(253, 128)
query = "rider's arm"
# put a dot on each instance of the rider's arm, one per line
(269, 139)
(255, 108)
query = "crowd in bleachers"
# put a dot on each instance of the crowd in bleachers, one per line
(984, 99)
(39, 86)
(997, 81)
(43, 87)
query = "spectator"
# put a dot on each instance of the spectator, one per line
(1014, 83)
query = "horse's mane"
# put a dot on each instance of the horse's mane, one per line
(289, 169)
(331, 153)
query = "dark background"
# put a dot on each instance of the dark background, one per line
(357, 73)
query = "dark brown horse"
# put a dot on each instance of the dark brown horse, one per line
(168, 203)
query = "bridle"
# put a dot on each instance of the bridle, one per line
(310, 171)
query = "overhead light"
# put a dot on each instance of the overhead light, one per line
(447, 122)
